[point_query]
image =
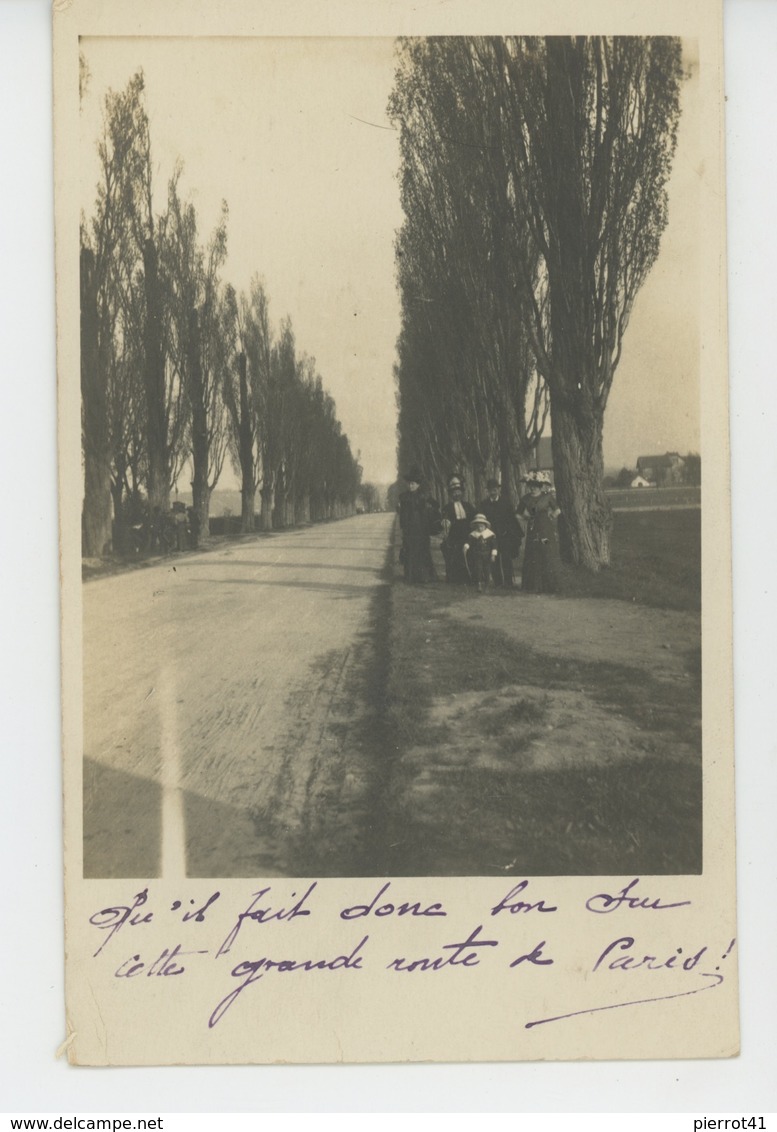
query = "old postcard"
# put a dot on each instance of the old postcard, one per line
(397, 685)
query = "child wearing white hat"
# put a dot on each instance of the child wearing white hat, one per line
(480, 551)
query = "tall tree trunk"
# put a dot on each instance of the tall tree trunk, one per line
(246, 452)
(267, 495)
(505, 454)
(279, 510)
(96, 519)
(97, 524)
(578, 469)
(576, 420)
(200, 441)
(477, 483)
(280, 496)
(154, 379)
(120, 540)
(247, 508)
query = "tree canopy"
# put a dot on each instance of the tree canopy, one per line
(534, 185)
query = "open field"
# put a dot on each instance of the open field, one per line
(656, 560)
(628, 498)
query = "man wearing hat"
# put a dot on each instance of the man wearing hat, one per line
(504, 523)
(457, 515)
(419, 519)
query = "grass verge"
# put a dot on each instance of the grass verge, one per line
(506, 760)
(656, 561)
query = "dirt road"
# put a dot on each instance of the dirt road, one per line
(226, 694)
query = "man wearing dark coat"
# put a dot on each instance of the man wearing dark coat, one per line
(419, 519)
(457, 515)
(504, 523)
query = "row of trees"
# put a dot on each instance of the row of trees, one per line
(371, 497)
(178, 370)
(533, 183)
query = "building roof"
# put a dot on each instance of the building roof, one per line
(666, 461)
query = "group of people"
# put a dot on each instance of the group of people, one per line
(154, 531)
(480, 544)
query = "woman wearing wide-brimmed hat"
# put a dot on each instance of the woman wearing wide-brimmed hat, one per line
(539, 510)
(419, 519)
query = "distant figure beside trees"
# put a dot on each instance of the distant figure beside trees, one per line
(419, 519)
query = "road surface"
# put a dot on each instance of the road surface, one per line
(227, 700)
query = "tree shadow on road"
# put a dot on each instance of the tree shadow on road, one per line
(122, 823)
(339, 589)
(262, 564)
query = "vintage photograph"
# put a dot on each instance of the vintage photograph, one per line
(391, 453)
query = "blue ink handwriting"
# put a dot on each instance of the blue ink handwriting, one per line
(165, 964)
(510, 904)
(457, 958)
(252, 970)
(534, 956)
(113, 919)
(650, 963)
(199, 913)
(603, 902)
(265, 915)
(388, 909)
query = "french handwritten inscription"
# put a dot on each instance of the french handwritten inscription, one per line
(628, 897)
(511, 904)
(683, 971)
(265, 915)
(388, 908)
(637, 960)
(253, 970)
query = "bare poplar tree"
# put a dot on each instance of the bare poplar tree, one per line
(145, 301)
(534, 184)
(96, 517)
(464, 350)
(199, 343)
(247, 331)
(258, 344)
(589, 127)
(103, 247)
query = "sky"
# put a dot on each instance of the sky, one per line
(293, 134)
(654, 404)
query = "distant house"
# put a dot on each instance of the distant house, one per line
(665, 471)
(640, 481)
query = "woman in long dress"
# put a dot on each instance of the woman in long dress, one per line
(539, 510)
(419, 519)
